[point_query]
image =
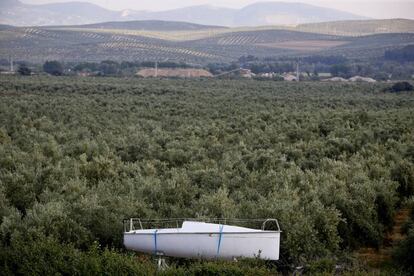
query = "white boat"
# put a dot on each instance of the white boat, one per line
(195, 239)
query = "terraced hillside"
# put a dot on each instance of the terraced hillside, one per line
(37, 45)
(185, 42)
(372, 46)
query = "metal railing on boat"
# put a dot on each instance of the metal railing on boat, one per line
(133, 224)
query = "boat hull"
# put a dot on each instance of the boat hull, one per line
(263, 245)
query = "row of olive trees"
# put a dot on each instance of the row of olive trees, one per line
(330, 161)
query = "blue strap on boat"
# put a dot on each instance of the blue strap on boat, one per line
(219, 241)
(155, 242)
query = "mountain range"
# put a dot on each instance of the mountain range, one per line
(16, 13)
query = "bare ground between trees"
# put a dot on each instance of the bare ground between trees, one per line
(377, 257)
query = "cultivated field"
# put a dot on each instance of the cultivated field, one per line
(306, 45)
(200, 46)
(333, 162)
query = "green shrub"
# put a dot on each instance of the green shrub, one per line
(54, 68)
(46, 256)
(321, 266)
(403, 254)
(402, 86)
(403, 173)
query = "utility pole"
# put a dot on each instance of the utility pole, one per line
(297, 72)
(11, 64)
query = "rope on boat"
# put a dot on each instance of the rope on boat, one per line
(219, 241)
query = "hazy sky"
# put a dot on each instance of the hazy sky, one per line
(370, 8)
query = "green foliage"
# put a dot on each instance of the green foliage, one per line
(403, 254)
(330, 161)
(402, 86)
(403, 173)
(54, 68)
(322, 266)
(224, 268)
(340, 70)
(4, 137)
(48, 257)
(24, 70)
(109, 67)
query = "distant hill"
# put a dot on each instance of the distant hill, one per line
(14, 12)
(360, 27)
(198, 46)
(204, 14)
(149, 25)
(5, 27)
(280, 13)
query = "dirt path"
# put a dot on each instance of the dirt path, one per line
(374, 257)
